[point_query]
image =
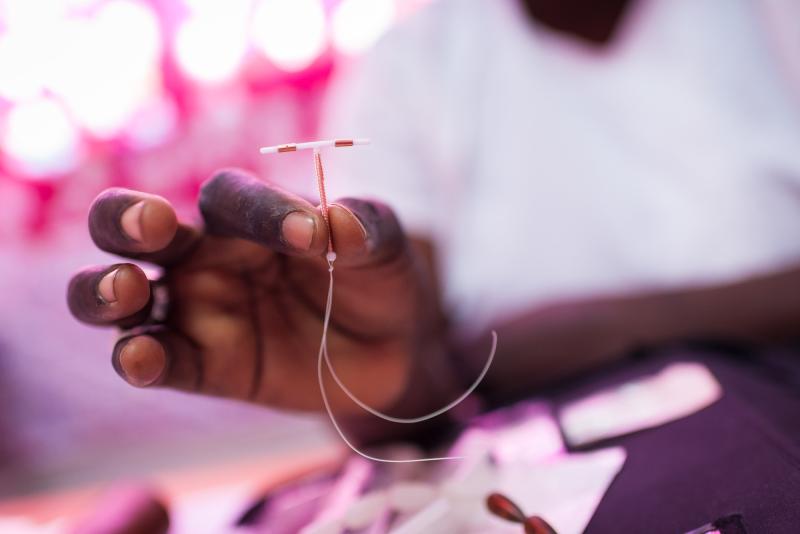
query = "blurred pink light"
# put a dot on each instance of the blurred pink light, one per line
(209, 53)
(153, 125)
(108, 66)
(218, 9)
(291, 33)
(211, 43)
(23, 60)
(28, 45)
(39, 138)
(29, 15)
(357, 24)
(82, 4)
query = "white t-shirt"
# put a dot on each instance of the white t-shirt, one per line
(546, 169)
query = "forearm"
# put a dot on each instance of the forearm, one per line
(758, 310)
(553, 343)
(550, 344)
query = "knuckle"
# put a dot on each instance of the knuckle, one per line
(213, 183)
(111, 194)
(215, 189)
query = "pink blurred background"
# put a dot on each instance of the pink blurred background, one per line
(152, 95)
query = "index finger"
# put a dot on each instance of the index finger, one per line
(236, 204)
(365, 232)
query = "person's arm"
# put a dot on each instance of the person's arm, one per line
(556, 342)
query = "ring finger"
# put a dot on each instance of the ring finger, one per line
(110, 295)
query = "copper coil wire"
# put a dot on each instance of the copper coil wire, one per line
(323, 196)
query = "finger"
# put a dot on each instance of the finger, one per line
(158, 356)
(107, 295)
(235, 204)
(139, 226)
(366, 233)
(128, 510)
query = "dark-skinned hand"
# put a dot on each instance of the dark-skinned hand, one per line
(247, 294)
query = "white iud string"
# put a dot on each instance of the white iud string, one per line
(323, 346)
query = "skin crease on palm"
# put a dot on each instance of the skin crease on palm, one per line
(247, 295)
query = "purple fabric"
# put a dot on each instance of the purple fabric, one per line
(738, 456)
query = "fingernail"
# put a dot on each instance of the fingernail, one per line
(132, 221)
(298, 230)
(106, 287)
(142, 361)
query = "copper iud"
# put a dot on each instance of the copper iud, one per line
(322, 356)
(323, 197)
(318, 170)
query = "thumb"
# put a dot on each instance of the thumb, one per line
(366, 233)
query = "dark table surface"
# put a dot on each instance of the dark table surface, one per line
(739, 456)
